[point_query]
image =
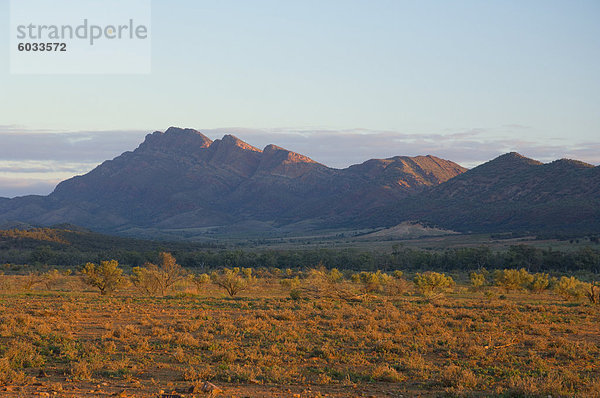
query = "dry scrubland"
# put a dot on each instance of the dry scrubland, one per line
(310, 334)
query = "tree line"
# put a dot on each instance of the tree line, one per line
(531, 258)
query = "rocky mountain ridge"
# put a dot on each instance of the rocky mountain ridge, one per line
(181, 180)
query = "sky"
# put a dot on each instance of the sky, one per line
(341, 81)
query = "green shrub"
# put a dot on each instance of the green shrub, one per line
(200, 280)
(398, 274)
(290, 283)
(431, 284)
(146, 279)
(571, 288)
(372, 282)
(319, 282)
(513, 279)
(477, 280)
(233, 280)
(539, 283)
(154, 279)
(107, 276)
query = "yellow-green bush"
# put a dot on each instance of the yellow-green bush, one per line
(430, 284)
(233, 281)
(107, 276)
(513, 279)
(571, 288)
(372, 282)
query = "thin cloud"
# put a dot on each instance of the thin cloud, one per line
(94, 146)
(13, 187)
(37, 167)
(515, 126)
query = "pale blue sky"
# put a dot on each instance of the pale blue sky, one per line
(486, 76)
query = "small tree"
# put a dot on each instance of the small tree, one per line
(146, 279)
(571, 288)
(54, 278)
(154, 279)
(107, 276)
(539, 283)
(477, 280)
(31, 280)
(593, 294)
(320, 282)
(398, 274)
(512, 279)
(233, 280)
(170, 271)
(431, 284)
(372, 281)
(200, 280)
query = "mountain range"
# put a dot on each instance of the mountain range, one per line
(183, 182)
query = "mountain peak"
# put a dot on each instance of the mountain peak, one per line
(286, 155)
(410, 172)
(185, 132)
(232, 140)
(518, 157)
(514, 159)
(174, 138)
(272, 148)
(571, 163)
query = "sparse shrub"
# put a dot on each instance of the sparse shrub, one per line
(571, 288)
(293, 284)
(23, 354)
(107, 276)
(593, 294)
(388, 374)
(154, 279)
(396, 286)
(490, 295)
(477, 280)
(54, 278)
(275, 272)
(371, 282)
(539, 283)
(431, 284)
(81, 370)
(10, 376)
(295, 294)
(290, 283)
(320, 282)
(335, 275)
(200, 280)
(146, 279)
(459, 378)
(233, 280)
(512, 279)
(398, 274)
(31, 280)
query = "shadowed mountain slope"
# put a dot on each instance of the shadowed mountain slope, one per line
(510, 193)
